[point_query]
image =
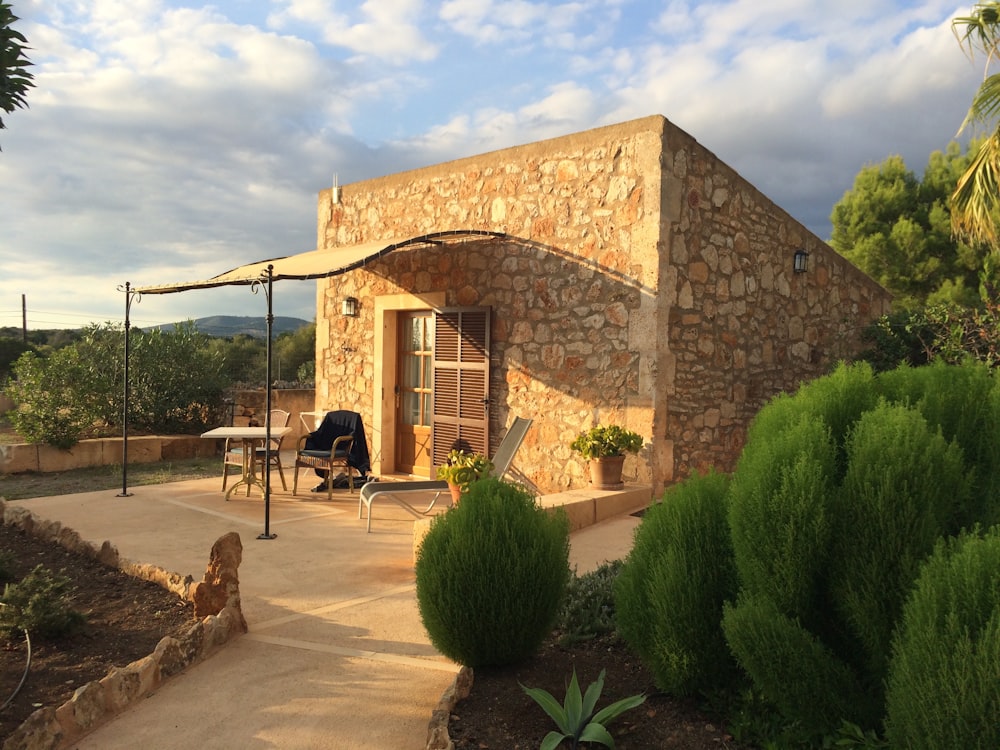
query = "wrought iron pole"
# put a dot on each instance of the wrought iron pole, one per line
(267, 416)
(129, 294)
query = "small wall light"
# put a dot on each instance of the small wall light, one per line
(349, 307)
(799, 261)
(335, 192)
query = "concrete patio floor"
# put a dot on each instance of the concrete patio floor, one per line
(336, 655)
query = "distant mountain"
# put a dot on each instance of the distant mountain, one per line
(234, 325)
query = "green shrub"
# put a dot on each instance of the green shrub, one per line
(836, 400)
(903, 486)
(491, 575)
(964, 402)
(944, 684)
(39, 603)
(895, 339)
(809, 684)
(78, 391)
(779, 515)
(839, 496)
(165, 398)
(50, 407)
(670, 591)
(588, 609)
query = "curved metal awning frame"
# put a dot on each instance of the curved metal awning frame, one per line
(315, 264)
(319, 264)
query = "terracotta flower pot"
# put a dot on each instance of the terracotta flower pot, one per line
(606, 472)
(456, 493)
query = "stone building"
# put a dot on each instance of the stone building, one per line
(623, 274)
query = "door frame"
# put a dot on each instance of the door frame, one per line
(387, 308)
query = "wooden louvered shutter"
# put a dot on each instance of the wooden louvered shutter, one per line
(461, 382)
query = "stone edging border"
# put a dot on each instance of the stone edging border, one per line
(95, 703)
(437, 731)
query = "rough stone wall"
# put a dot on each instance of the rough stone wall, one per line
(566, 296)
(743, 325)
(642, 282)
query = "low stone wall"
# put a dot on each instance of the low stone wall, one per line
(247, 405)
(21, 457)
(93, 704)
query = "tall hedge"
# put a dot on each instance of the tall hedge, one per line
(78, 390)
(491, 575)
(671, 589)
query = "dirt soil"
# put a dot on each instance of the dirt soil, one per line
(126, 618)
(499, 715)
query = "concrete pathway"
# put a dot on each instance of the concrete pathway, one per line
(336, 656)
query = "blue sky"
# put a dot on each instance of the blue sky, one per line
(174, 140)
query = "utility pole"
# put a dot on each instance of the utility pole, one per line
(24, 320)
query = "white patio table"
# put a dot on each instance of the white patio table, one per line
(252, 438)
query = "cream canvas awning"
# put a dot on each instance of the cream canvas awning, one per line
(318, 264)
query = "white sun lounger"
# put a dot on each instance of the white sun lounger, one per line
(403, 493)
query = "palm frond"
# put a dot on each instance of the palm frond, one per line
(977, 196)
(980, 30)
(985, 106)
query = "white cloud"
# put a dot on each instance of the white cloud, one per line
(387, 30)
(519, 21)
(167, 139)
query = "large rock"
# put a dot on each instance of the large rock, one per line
(221, 586)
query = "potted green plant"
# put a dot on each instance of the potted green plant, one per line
(605, 446)
(462, 469)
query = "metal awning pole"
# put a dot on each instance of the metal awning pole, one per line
(129, 294)
(267, 413)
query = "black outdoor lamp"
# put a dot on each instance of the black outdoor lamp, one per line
(349, 307)
(799, 261)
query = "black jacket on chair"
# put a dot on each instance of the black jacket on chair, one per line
(334, 425)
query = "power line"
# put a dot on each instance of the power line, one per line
(37, 317)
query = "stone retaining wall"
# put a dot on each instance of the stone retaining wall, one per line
(93, 704)
(251, 404)
(247, 405)
(21, 457)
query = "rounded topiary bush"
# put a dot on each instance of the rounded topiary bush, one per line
(670, 592)
(491, 575)
(944, 685)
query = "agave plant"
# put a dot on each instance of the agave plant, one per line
(575, 718)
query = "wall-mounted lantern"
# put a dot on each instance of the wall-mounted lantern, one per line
(349, 307)
(799, 261)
